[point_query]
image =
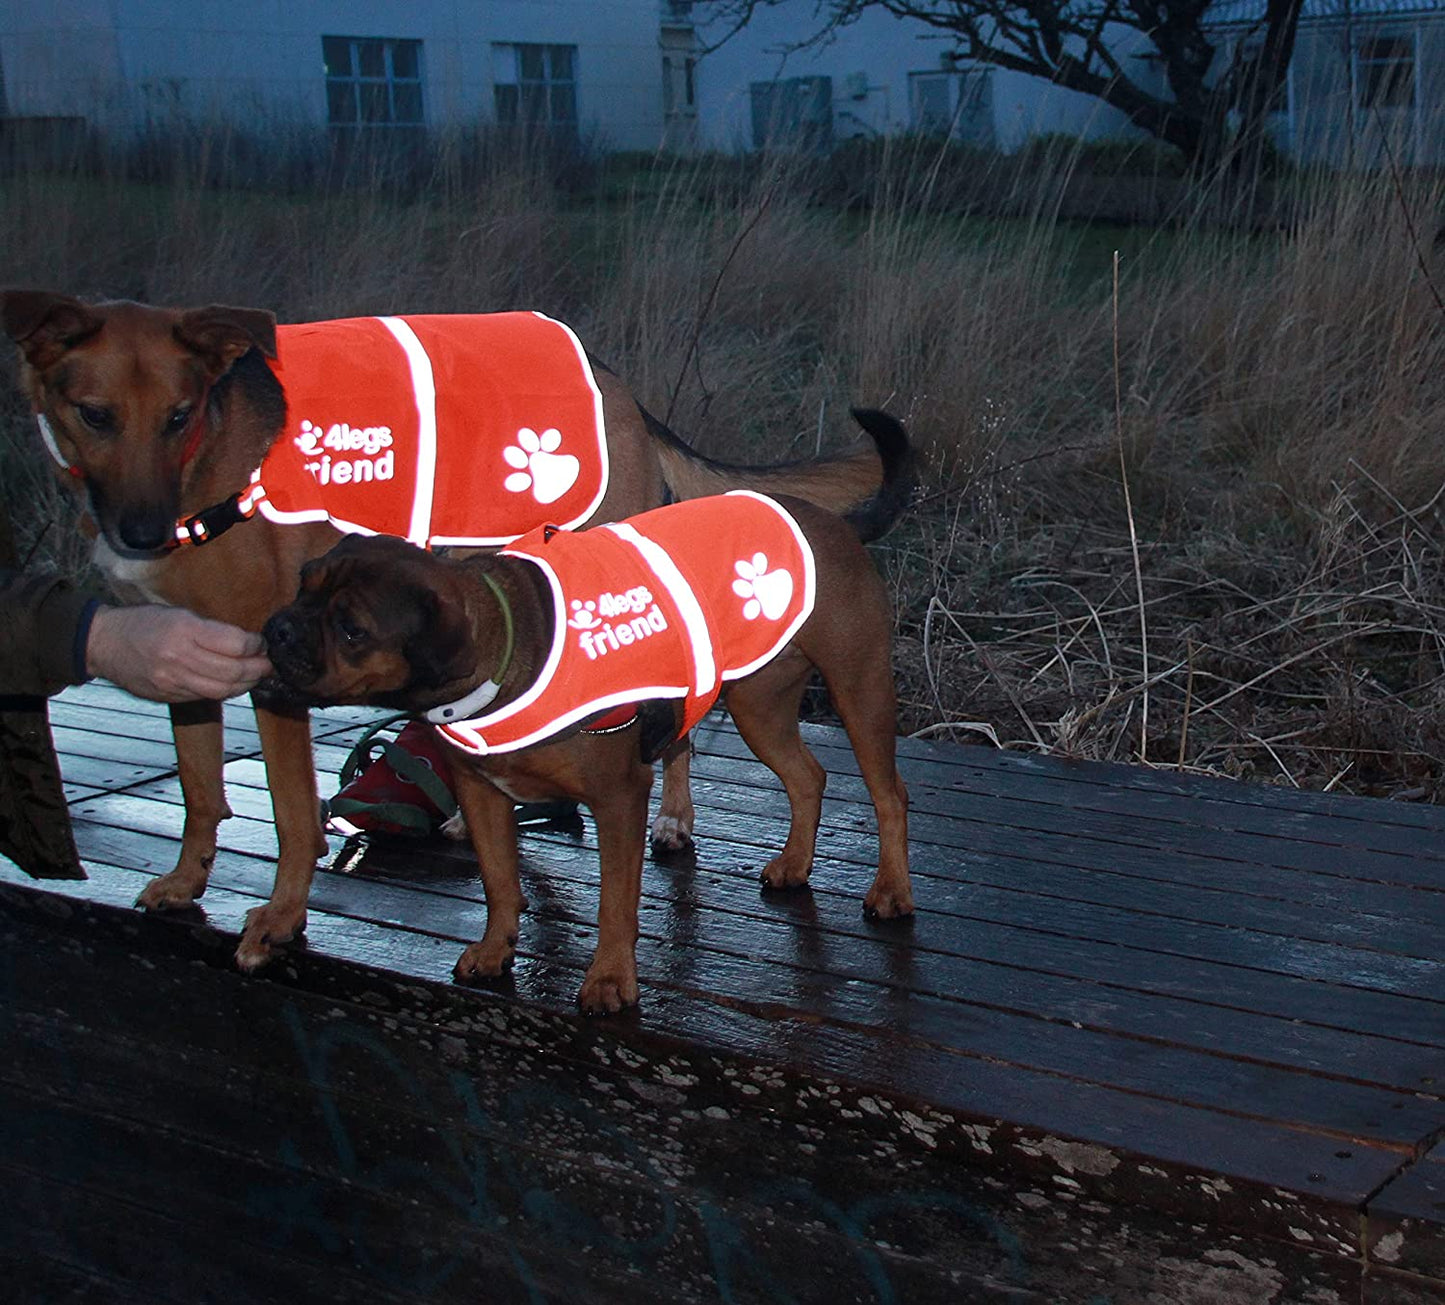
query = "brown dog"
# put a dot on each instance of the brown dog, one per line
(532, 649)
(160, 417)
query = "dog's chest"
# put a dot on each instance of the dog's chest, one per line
(133, 579)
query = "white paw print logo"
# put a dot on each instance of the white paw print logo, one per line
(767, 593)
(539, 467)
(584, 615)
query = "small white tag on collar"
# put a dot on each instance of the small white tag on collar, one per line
(476, 702)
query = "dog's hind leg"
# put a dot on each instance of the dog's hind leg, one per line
(672, 829)
(291, 776)
(200, 757)
(764, 707)
(865, 700)
(492, 826)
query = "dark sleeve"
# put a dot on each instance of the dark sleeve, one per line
(44, 625)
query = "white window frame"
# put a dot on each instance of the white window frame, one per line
(508, 59)
(363, 88)
(1362, 64)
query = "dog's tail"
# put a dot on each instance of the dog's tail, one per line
(874, 517)
(861, 481)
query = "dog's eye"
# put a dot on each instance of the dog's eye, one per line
(353, 634)
(96, 418)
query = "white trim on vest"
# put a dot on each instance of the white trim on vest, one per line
(810, 582)
(458, 731)
(704, 660)
(424, 393)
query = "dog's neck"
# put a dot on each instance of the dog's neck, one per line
(473, 704)
(509, 599)
(248, 406)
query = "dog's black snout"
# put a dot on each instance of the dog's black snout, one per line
(145, 530)
(279, 632)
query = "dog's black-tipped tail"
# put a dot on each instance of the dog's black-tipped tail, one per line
(874, 517)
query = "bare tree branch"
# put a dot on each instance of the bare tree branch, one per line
(1075, 44)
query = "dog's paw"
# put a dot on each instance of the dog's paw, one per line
(606, 993)
(885, 902)
(670, 834)
(171, 892)
(485, 960)
(455, 827)
(785, 873)
(267, 927)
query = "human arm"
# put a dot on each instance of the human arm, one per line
(173, 655)
(53, 635)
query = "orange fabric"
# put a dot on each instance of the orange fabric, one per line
(669, 604)
(439, 429)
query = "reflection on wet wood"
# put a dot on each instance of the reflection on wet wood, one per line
(1148, 1035)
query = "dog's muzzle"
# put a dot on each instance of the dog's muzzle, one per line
(290, 650)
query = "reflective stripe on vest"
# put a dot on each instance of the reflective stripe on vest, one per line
(670, 604)
(438, 429)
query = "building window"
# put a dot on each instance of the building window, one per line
(372, 81)
(1385, 72)
(959, 102)
(679, 85)
(794, 113)
(535, 85)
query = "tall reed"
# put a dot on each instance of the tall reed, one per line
(1280, 398)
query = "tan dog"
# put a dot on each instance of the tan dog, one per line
(160, 417)
(378, 621)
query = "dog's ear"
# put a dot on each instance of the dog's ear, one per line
(219, 335)
(45, 325)
(436, 651)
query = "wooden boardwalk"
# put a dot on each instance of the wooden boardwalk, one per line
(1150, 1038)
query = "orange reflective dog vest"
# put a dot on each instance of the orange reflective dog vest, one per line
(438, 429)
(669, 604)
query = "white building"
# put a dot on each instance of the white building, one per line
(592, 66)
(1367, 81)
(875, 76)
(626, 74)
(1365, 74)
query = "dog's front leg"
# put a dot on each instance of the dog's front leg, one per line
(291, 775)
(621, 817)
(493, 828)
(200, 758)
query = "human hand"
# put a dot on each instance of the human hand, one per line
(173, 655)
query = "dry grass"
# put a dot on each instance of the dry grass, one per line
(1279, 403)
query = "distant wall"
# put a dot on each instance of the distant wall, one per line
(135, 63)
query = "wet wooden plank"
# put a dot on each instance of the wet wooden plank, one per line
(1296, 988)
(689, 1005)
(1222, 986)
(742, 919)
(1136, 830)
(1209, 802)
(612, 1159)
(1327, 1180)
(1160, 779)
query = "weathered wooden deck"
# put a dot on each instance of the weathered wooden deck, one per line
(1149, 1038)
